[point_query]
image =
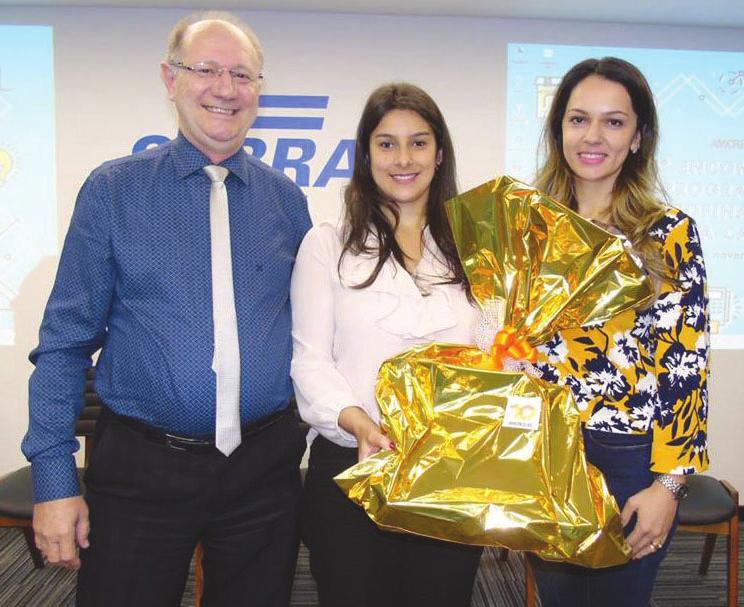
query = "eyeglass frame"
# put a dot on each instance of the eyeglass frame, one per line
(214, 70)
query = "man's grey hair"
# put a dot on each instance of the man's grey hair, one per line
(175, 39)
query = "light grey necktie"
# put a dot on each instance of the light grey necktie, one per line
(226, 360)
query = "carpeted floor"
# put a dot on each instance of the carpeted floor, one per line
(499, 584)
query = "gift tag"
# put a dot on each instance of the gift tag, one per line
(522, 412)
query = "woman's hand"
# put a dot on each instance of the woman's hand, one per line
(655, 508)
(370, 439)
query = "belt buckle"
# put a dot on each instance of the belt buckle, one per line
(174, 442)
(183, 443)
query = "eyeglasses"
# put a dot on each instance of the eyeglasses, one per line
(211, 71)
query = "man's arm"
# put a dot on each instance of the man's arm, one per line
(73, 328)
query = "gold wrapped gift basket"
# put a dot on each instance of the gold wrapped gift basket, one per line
(487, 453)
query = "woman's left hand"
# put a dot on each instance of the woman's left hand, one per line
(655, 509)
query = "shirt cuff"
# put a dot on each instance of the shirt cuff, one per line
(54, 479)
(347, 439)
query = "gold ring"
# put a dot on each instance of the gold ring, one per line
(656, 546)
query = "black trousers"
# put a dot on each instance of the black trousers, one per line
(150, 505)
(355, 564)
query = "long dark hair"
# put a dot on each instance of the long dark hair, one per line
(638, 198)
(365, 205)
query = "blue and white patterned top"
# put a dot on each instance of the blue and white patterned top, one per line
(646, 371)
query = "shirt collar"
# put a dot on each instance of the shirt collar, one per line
(188, 159)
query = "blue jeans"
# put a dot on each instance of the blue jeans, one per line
(624, 461)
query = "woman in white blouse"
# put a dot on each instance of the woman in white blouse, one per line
(386, 279)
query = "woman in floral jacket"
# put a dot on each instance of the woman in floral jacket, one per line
(640, 379)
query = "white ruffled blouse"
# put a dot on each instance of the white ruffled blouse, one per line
(342, 335)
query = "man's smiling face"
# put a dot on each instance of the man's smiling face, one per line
(214, 114)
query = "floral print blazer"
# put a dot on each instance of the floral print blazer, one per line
(647, 370)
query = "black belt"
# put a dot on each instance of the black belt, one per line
(197, 445)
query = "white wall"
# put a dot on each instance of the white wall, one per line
(109, 95)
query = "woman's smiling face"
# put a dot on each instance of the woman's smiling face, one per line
(403, 156)
(599, 130)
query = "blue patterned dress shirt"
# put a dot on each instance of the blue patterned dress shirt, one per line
(134, 279)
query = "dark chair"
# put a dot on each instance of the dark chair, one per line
(530, 586)
(16, 500)
(712, 508)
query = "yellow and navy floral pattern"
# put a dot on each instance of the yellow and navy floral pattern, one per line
(647, 370)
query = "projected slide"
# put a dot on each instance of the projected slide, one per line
(700, 99)
(28, 203)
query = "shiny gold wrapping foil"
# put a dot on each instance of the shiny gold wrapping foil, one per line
(552, 268)
(495, 458)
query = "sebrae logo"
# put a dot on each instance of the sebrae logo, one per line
(295, 155)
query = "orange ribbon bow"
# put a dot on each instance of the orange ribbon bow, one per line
(509, 344)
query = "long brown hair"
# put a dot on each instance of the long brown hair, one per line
(365, 206)
(638, 198)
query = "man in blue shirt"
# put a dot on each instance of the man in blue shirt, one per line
(135, 280)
